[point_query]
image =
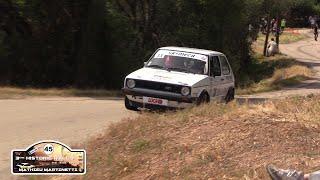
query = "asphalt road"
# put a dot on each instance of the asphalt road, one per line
(69, 120)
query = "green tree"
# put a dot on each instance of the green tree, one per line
(95, 43)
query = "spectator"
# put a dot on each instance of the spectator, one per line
(283, 24)
(315, 31)
(252, 33)
(273, 25)
(273, 21)
(272, 48)
(263, 25)
(312, 21)
(250, 28)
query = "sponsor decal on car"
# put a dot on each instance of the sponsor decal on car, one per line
(155, 101)
(163, 53)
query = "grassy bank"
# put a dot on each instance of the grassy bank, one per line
(273, 73)
(287, 37)
(212, 141)
(13, 92)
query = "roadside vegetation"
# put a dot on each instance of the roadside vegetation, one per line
(212, 141)
(287, 37)
(262, 75)
(273, 73)
(96, 43)
(12, 92)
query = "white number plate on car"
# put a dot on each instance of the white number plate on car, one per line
(155, 101)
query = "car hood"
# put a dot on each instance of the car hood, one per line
(164, 76)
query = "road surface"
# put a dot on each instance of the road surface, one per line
(69, 120)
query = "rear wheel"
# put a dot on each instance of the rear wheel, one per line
(129, 105)
(230, 96)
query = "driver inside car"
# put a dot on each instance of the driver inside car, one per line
(168, 62)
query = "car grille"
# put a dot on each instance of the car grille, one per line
(158, 86)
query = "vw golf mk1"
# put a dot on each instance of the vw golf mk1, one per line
(177, 77)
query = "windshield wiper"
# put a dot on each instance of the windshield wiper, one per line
(155, 66)
(179, 69)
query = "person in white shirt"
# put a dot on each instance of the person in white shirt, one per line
(312, 21)
(272, 48)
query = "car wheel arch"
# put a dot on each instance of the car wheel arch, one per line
(204, 92)
(230, 94)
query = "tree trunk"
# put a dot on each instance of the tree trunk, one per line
(278, 31)
(267, 37)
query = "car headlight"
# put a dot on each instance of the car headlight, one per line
(185, 91)
(131, 83)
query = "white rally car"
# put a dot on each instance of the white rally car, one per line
(177, 77)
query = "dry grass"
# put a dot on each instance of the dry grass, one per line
(12, 92)
(287, 37)
(211, 141)
(296, 72)
(283, 77)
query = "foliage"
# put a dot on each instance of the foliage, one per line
(95, 43)
(300, 12)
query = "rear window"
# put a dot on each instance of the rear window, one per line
(224, 66)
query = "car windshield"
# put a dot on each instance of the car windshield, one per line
(179, 61)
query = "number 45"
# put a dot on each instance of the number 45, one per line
(48, 149)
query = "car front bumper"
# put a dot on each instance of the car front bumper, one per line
(136, 95)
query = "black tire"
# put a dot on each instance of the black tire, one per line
(230, 96)
(128, 105)
(203, 99)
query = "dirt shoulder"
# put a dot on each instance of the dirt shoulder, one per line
(18, 93)
(307, 53)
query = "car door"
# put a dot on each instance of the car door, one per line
(215, 77)
(226, 75)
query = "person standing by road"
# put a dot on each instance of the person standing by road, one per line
(315, 31)
(273, 26)
(312, 21)
(283, 24)
(263, 26)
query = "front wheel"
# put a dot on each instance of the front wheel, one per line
(129, 106)
(204, 98)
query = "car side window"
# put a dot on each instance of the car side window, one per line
(224, 65)
(215, 69)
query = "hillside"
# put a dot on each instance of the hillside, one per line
(213, 141)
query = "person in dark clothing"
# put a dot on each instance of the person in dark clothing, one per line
(316, 34)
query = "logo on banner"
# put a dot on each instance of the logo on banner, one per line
(48, 158)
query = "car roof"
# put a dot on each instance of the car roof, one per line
(192, 50)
